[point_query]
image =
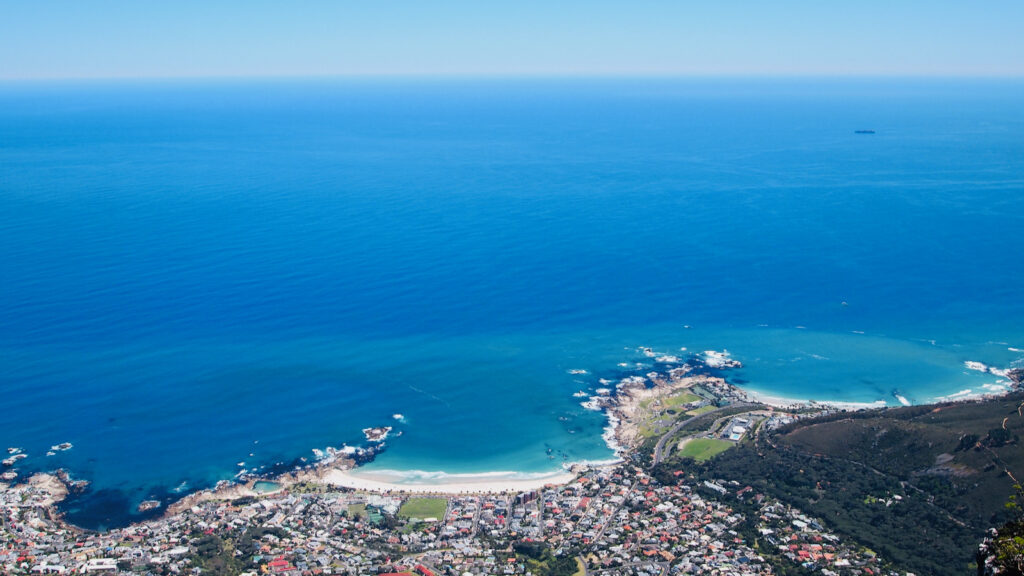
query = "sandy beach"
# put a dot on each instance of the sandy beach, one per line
(779, 402)
(483, 484)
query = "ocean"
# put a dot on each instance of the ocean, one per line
(206, 276)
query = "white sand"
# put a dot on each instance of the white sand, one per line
(463, 484)
(779, 402)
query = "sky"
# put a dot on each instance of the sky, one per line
(58, 39)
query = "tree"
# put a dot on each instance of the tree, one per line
(1006, 549)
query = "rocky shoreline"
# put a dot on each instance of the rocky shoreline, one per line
(641, 390)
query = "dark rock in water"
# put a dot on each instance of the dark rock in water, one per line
(105, 509)
(367, 456)
(1016, 375)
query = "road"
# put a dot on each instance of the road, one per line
(614, 512)
(659, 448)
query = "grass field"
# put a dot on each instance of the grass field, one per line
(423, 508)
(680, 399)
(702, 449)
(701, 410)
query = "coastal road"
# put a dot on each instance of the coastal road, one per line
(659, 448)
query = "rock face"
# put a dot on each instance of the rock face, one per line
(49, 487)
(631, 403)
(377, 434)
(1016, 375)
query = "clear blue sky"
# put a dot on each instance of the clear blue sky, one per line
(140, 38)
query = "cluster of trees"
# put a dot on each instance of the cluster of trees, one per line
(875, 510)
(918, 485)
(214, 556)
(544, 563)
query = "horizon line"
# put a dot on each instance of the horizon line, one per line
(516, 76)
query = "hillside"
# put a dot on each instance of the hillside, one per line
(918, 485)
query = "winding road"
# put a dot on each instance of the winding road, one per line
(659, 448)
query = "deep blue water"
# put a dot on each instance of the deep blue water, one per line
(196, 271)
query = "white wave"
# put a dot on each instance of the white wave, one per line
(604, 381)
(978, 366)
(631, 381)
(596, 403)
(592, 463)
(668, 359)
(1012, 349)
(580, 394)
(399, 417)
(603, 391)
(578, 371)
(957, 395)
(722, 359)
(609, 437)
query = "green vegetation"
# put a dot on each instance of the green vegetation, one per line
(581, 570)
(542, 562)
(1007, 548)
(659, 414)
(699, 411)
(919, 485)
(706, 420)
(702, 449)
(679, 399)
(654, 429)
(357, 511)
(216, 556)
(423, 508)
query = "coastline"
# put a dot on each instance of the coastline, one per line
(795, 403)
(1011, 379)
(627, 404)
(623, 406)
(487, 483)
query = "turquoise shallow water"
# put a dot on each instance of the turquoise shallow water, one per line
(201, 274)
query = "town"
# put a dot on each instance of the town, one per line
(634, 518)
(614, 521)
